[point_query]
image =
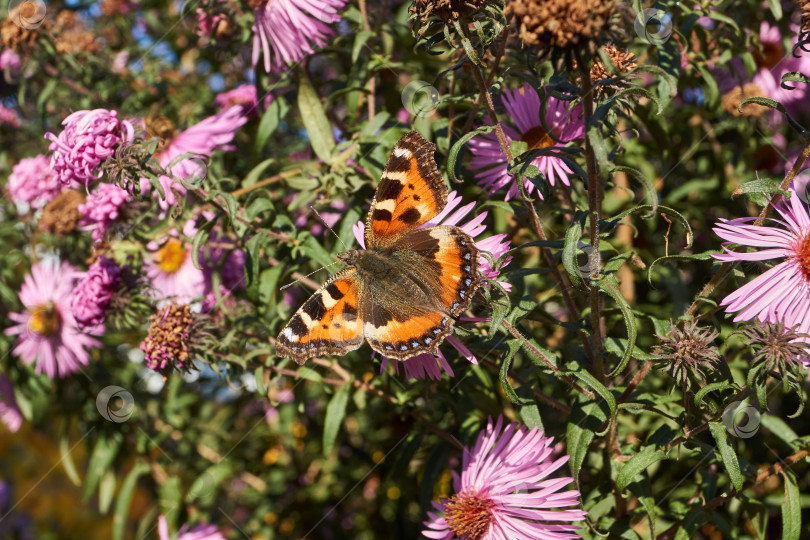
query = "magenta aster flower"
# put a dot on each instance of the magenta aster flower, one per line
(285, 30)
(782, 293)
(524, 107)
(10, 413)
(33, 181)
(171, 270)
(89, 138)
(46, 331)
(9, 116)
(10, 61)
(504, 491)
(94, 292)
(244, 95)
(426, 364)
(102, 208)
(200, 532)
(773, 61)
(212, 133)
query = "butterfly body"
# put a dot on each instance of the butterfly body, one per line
(402, 292)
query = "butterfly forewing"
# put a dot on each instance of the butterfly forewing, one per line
(411, 192)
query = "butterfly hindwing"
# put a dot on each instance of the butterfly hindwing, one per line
(328, 323)
(410, 193)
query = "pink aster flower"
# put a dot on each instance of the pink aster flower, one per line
(9, 116)
(89, 138)
(46, 331)
(171, 270)
(285, 30)
(10, 62)
(426, 365)
(524, 107)
(33, 181)
(94, 292)
(102, 208)
(504, 491)
(773, 61)
(782, 293)
(10, 413)
(200, 532)
(214, 132)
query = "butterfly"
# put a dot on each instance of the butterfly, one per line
(402, 292)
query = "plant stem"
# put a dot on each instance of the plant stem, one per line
(595, 190)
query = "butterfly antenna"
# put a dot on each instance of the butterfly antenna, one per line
(328, 227)
(306, 276)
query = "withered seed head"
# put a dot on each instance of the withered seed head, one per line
(685, 353)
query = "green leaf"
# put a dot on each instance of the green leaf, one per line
(712, 387)
(359, 41)
(705, 256)
(309, 374)
(256, 172)
(506, 363)
(791, 509)
(124, 497)
(600, 388)
(202, 235)
(269, 123)
(586, 418)
(452, 156)
(252, 259)
(170, 500)
(67, 461)
(106, 491)
(335, 411)
(313, 249)
(776, 8)
(104, 453)
(794, 76)
(314, 118)
(204, 487)
(610, 285)
(638, 463)
(778, 427)
(571, 249)
(646, 183)
(727, 453)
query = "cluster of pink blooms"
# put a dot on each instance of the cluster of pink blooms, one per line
(94, 292)
(102, 208)
(9, 116)
(89, 138)
(504, 491)
(33, 181)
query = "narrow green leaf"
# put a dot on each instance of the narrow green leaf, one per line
(506, 363)
(335, 411)
(359, 42)
(67, 460)
(600, 388)
(586, 418)
(646, 183)
(309, 374)
(201, 236)
(718, 387)
(452, 155)
(124, 497)
(571, 249)
(270, 121)
(314, 118)
(204, 487)
(791, 509)
(256, 172)
(610, 285)
(252, 259)
(106, 491)
(727, 453)
(104, 453)
(638, 463)
(170, 500)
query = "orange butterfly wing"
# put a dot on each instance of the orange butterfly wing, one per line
(328, 323)
(411, 192)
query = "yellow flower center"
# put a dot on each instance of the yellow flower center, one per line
(537, 138)
(45, 319)
(171, 256)
(802, 254)
(469, 514)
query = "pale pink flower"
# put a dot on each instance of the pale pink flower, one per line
(504, 491)
(426, 365)
(285, 30)
(89, 138)
(212, 133)
(524, 107)
(200, 532)
(782, 293)
(9, 116)
(46, 331)
(171, 270)
(102, 208)
(33, 181)
(244, 95)
(10, 413)
(10, 62)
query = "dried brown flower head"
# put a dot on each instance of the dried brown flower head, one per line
(564, 29)
(71, 35)
(804, 7)
(20, 29)
(61, 214)
(731, 101)
(776, 346)
(622, 61)
(686, 353)
(167, 344)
